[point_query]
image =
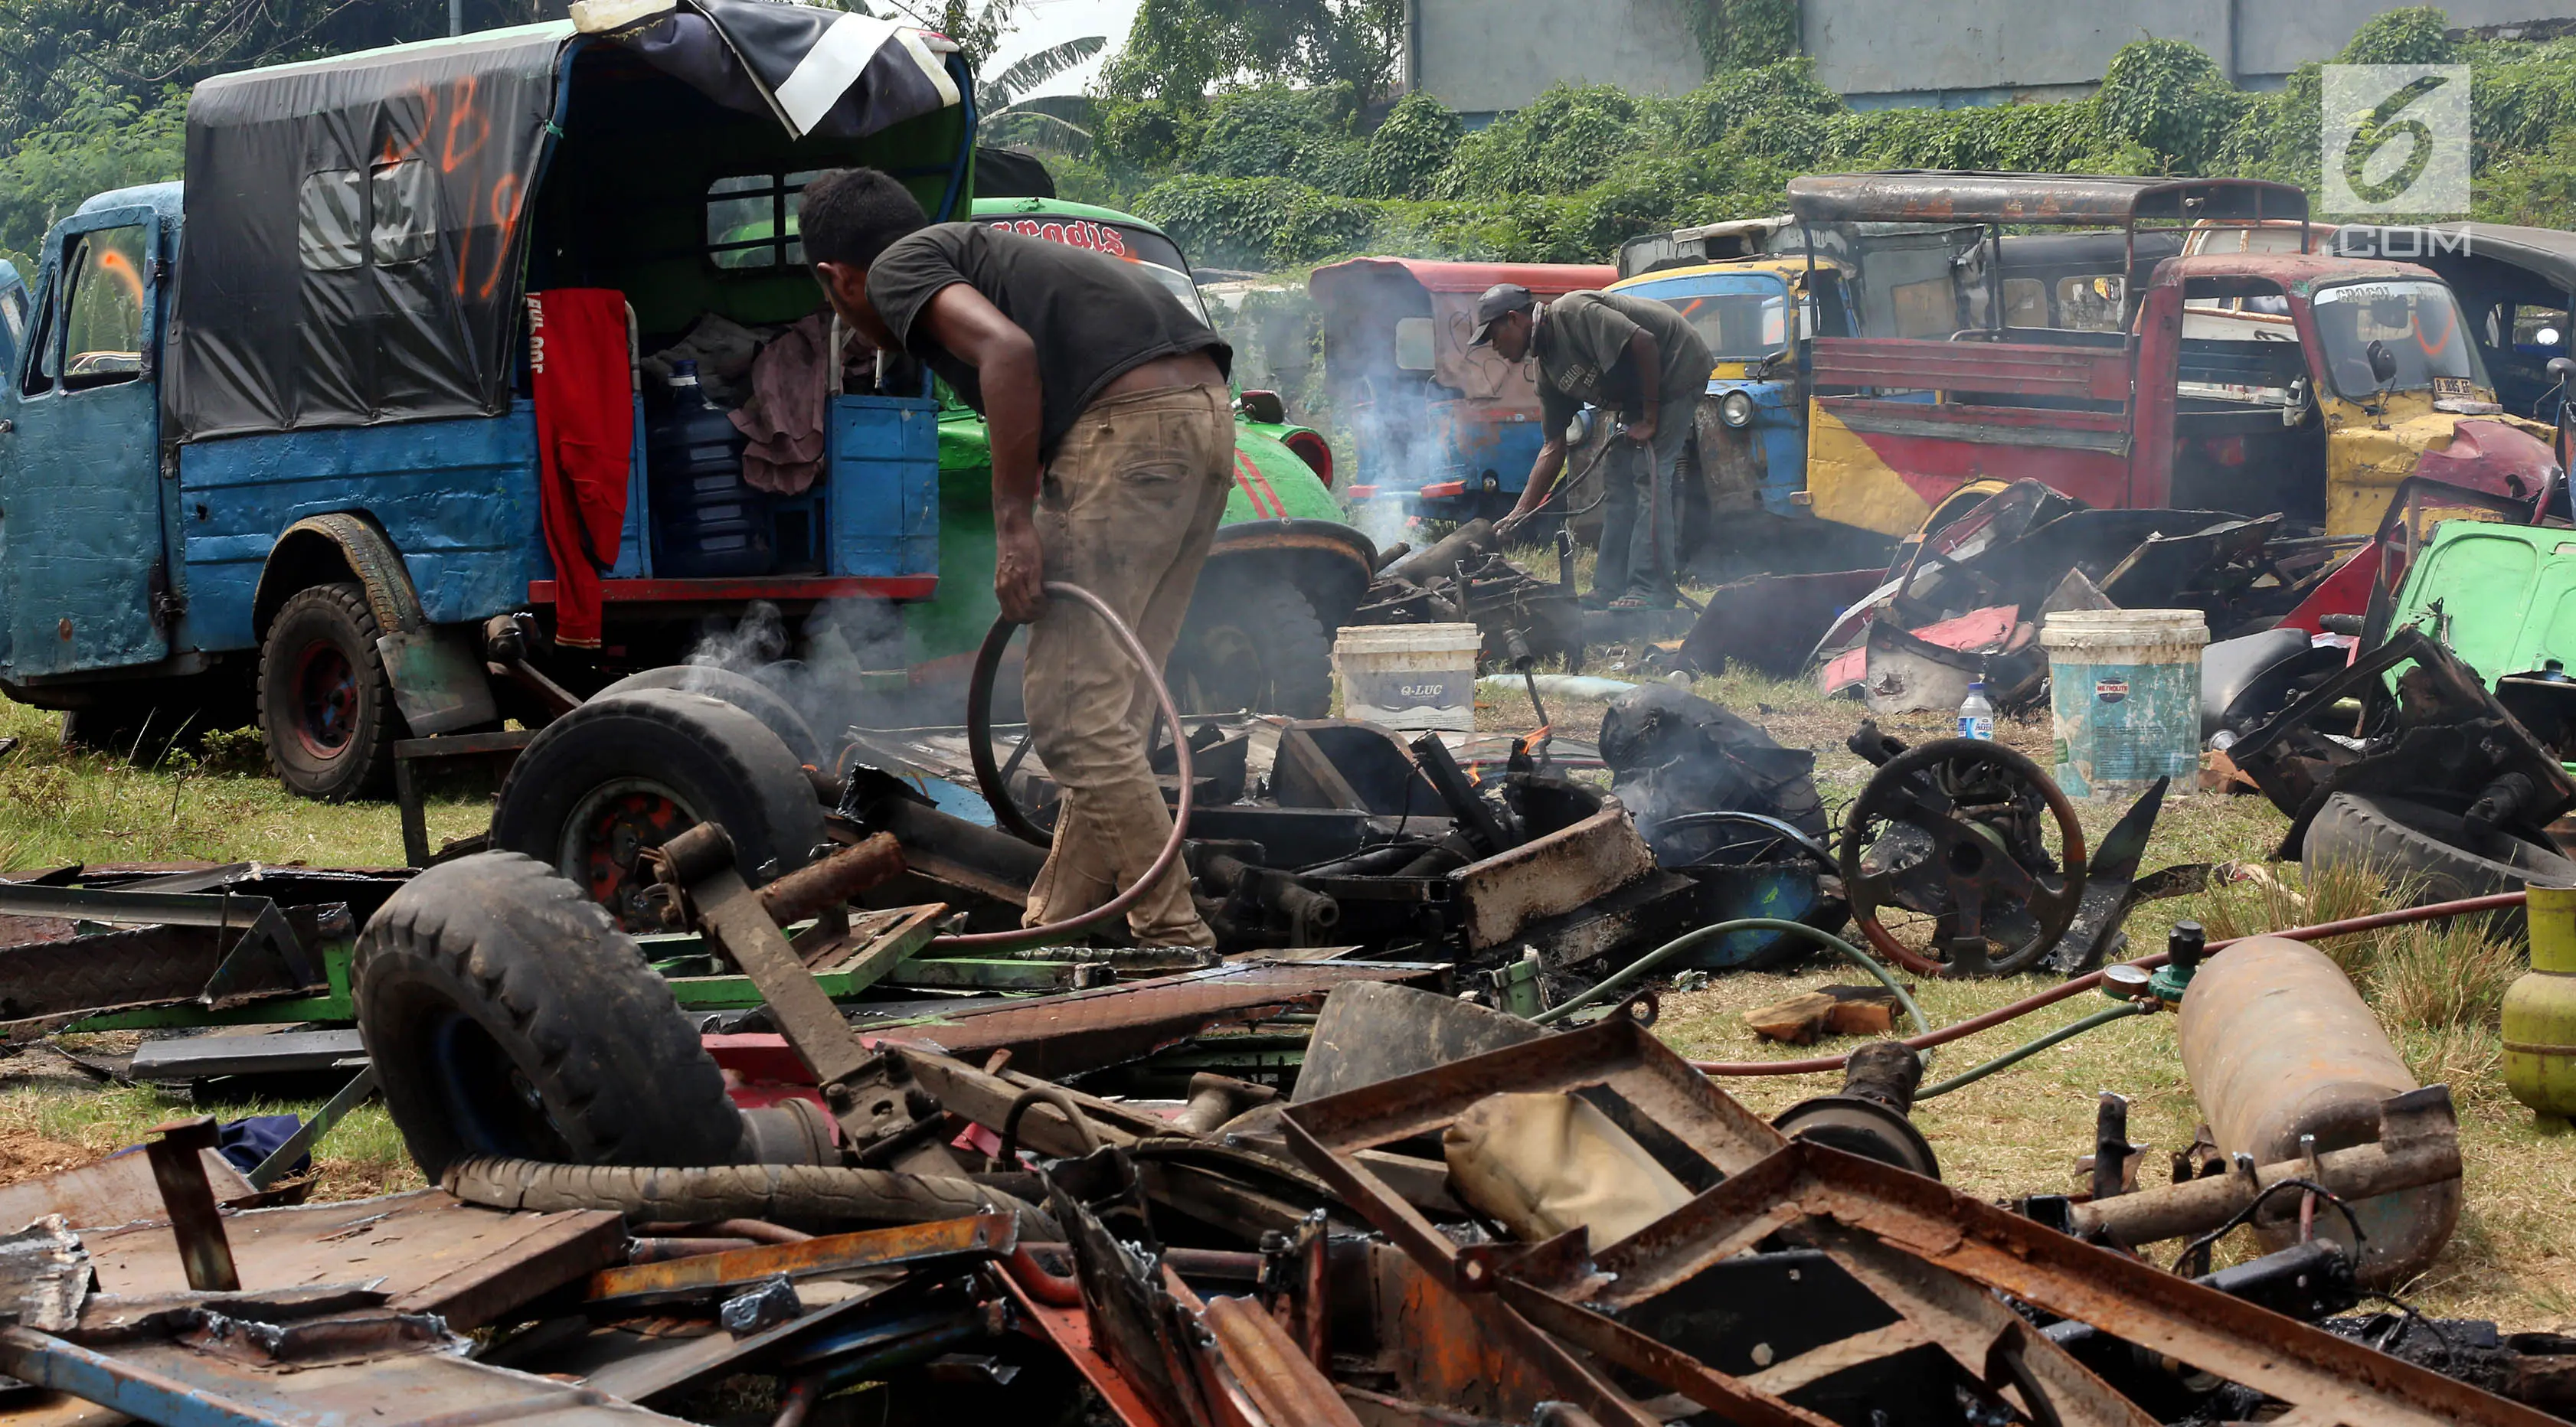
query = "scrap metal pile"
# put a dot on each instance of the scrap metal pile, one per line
(763, 1116)
(1048, 1209)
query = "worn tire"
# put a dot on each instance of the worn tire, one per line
(506, 1015)
(2405, 841)
(1255, 646)
(747, 694)
(638, 768)
(326, 709)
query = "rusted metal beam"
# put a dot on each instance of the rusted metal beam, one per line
(1935, 1256)
(2324, 1376)
(1615, 1052)
(1057, 1036)
(731, 914)
(2196, 1206)
(973, 1238)
(832, 881)
(203, 1250)
(1977, 1329)
(2079, 200)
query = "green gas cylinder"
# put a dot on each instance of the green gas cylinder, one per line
(2540, 1012)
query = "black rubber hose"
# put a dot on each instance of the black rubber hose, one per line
(979, 736)
(979, 724)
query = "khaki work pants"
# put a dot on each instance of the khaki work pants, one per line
(1127, 510)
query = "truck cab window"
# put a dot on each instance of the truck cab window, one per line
(751, 221)
(403, 228)
(103, 308)
(43, 352)
(331, 220)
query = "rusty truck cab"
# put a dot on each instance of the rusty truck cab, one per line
(2311, 386)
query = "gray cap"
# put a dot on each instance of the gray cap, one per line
(1500, 299)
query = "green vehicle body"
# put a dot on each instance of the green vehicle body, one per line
(1283, 534)
(2501, 597)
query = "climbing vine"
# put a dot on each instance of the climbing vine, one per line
(1747, 34)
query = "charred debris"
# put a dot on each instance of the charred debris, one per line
(736, 1131)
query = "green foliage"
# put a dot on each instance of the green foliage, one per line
(1183, 49)
(1149, 135)
(1567, 139)
(99, 143)
(2168, 97)
(1778, 110)
(1747, 34)
(1256, 222)
(1267, 132)
(53, 52)
(2414, 35)
(1410, 148)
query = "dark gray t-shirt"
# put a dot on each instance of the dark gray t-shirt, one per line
(1093, 317)
(1582, 348)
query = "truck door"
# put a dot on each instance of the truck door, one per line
(82, 570)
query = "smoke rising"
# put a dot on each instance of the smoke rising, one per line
(825, 669)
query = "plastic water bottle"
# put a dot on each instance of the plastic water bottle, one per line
(1976, 716)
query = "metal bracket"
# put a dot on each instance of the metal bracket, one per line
(265, 930)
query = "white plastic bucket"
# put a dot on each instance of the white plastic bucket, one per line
(1415, 677)
(2124, 689)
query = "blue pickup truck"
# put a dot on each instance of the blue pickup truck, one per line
(269, 440)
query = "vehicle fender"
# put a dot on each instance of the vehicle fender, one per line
(1328, 562)
(437, 675)
(2501, 455)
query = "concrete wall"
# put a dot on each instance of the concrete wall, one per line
(1484, 56)
(1968, 50)
(1981, 51)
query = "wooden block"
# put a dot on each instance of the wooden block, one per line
(1862, 1018)
(1796, 1021)
(1838, 1010)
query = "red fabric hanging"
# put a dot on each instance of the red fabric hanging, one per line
(585, 443)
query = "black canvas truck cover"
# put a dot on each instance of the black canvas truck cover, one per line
(355, 239)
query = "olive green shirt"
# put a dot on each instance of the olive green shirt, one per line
(1581, 342)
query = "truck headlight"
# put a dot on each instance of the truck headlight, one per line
(1736, 410)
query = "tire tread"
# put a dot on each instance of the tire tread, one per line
(567, 995)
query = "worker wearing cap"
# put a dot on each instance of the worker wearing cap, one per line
(1632, 355)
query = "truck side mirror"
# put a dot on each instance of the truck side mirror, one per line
(2560, 369)
(2383, 363)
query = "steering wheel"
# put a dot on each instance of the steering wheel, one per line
(1955, 830)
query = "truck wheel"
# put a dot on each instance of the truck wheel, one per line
(1252, 646)
(2403, 841)
(325, 707)
(747, 694)
(621, 774)
(506, 1015)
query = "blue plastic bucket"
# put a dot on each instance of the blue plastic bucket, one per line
(2124, 687)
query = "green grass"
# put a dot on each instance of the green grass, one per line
(59, 806)
(52, 1121)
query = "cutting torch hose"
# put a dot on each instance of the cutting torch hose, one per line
(2025, 1051)
(1648, 962)
(979, 723)
(2466, 906)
